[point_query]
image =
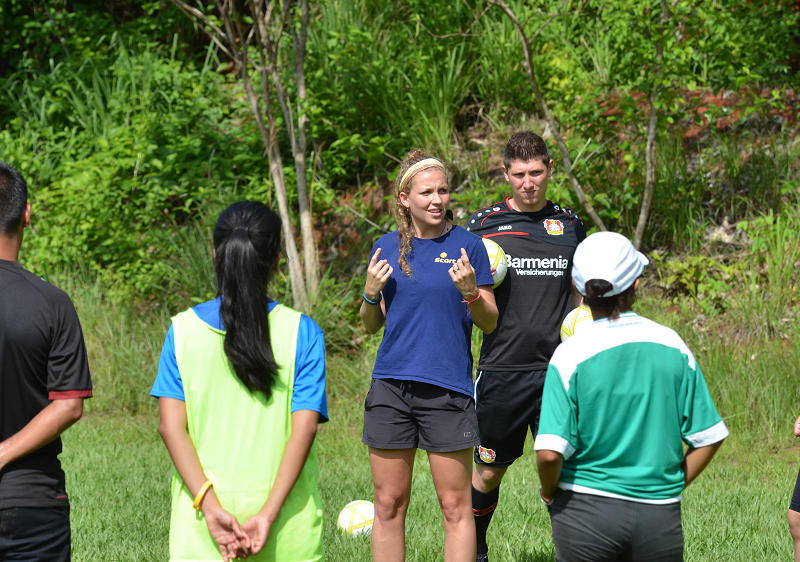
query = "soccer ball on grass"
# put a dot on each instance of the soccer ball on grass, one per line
(356, 518)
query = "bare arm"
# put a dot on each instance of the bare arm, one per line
(696, 460)
(378, 273)
(223, 526)
(373, 315)
(484, 309)
(548, 464)
(48, 424)
(304, 430)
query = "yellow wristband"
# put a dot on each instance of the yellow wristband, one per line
(201, 494)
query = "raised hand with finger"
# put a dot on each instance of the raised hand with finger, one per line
(373, 309)
(463, 276)
(479, 299)
(378, 274)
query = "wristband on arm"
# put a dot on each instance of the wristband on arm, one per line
(469, 303)
(369, 300)
(201, 494)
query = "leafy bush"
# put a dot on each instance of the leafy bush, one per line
(757, 285)
(115, 156)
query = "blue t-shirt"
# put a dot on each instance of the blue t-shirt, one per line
(428, 328)
(309, 366)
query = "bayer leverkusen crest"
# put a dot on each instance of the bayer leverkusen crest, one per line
(554, 227)
(487, 455)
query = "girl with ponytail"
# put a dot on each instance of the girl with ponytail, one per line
(241, 389)
(427, 283)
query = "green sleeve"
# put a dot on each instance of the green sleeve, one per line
(701, 424)
(558, 423)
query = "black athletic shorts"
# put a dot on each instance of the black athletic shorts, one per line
(410, 414)
(588, 528)
(794, 505)
(31, 534)
(507, 404)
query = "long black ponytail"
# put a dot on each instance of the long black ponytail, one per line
(247, 239)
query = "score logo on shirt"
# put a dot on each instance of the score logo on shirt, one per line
(443, 258)
(554, 267)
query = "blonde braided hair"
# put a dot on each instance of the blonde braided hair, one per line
(402, 215)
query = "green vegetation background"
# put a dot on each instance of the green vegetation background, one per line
(133, 134)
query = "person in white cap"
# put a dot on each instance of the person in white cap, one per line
(612, 477)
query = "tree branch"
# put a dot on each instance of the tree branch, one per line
(192, 12)
(551, 121)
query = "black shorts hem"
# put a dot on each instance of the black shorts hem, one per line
(376, 445)
(502, 464)
(512, 368)
(450, 448)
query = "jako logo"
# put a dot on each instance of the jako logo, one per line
(504, 227)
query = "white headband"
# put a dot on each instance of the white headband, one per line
(418, 167)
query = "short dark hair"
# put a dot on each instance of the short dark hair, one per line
(13, 197)
(525, 146)
(610, 305)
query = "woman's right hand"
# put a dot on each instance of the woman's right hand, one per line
(233, 542)
(797, 427)
(257, 528)
(378, 274)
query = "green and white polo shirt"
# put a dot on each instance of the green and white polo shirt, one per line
(620, 397)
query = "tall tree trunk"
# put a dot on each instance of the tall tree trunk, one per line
(551, 121)
(270, 141)
(297, 139)
(234, 38)
(299, 153)
(652, 132)
(650, 175)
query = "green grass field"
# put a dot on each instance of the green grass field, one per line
(118, 476)
(118, 470)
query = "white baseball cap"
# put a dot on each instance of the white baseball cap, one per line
(609, 256)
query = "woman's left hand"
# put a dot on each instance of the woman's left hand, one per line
(226, 532)
(463, 276)
(257, 528)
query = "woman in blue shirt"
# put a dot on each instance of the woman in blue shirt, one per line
(428, 283)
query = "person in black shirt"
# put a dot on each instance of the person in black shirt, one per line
(44, 378)
(539, 239)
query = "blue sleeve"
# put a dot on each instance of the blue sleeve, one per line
(309, 370)
(168, 382)
(479, 259)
